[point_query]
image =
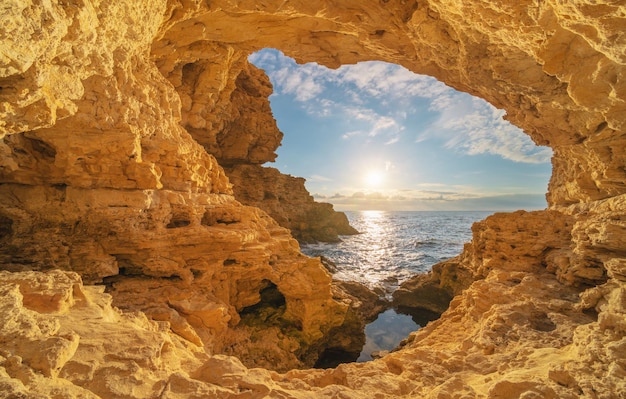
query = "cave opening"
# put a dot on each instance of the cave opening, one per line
(412, 163)
(270, 308)
(376, 136)
(386, 333)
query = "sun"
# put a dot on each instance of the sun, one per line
(374, 178)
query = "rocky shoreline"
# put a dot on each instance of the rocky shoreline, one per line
(288, 202)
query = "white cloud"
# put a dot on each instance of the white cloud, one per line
(433, 200)
(348, 135)
(302, 83)
(424, 192)
(263, 57)
(319, 178)
(359, 113)
(465, 124)
(383, 125)
(473, 126)
(442, 102)
(320, 108)
(380, 79)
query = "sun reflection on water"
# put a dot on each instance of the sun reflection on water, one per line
(376, 244)
(393, 246)
(373, 221)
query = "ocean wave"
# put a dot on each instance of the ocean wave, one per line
(393, 246)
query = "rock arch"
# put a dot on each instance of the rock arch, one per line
(108, 110)
(559, 97)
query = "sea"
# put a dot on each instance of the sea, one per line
(392, 247)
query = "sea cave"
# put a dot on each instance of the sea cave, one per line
(132, 266)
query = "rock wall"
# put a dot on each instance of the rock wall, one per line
(123, 195)
(115, 117)
(287, 201)
(244, 136)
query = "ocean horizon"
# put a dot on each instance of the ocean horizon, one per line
(395, 245)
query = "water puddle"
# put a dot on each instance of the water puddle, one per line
(381, 335)
(390, 328)
(385, 333)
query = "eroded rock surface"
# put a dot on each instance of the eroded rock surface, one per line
(287, 201)
(529, 241)
(117, 117)
(244, 138)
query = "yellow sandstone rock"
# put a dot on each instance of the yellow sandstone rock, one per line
(115, 116)
(287, 201)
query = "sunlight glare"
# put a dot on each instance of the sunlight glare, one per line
(372, 215)
(374, 178)
(374, 223)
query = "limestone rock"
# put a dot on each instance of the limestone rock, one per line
(106, 113)
(368, 303)
(132, 240)
(244, 131)
(242, 134)
(422, 292)
(530, 241)
(287, 201)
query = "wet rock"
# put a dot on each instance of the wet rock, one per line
(365, 301)
(422, 293)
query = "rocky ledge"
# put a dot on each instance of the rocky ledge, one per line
(130, 269)
(249, 138)
(287, 201)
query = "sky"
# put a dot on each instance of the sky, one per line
(375, 136)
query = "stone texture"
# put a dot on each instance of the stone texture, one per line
(115, 117)
(287, 201)
(245, 137)
(529, 241)
(195, 260)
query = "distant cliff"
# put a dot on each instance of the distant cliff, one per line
(286, 200)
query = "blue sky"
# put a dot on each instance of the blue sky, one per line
(376, 136)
